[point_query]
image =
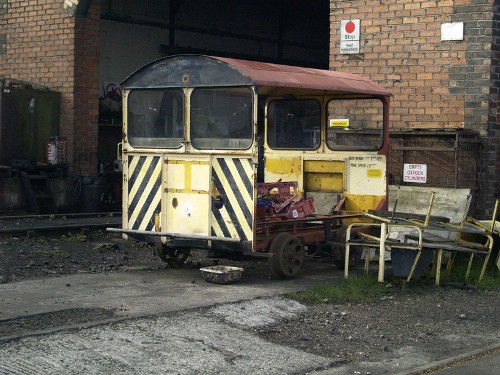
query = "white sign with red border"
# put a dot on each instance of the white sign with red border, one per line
(349, 36)
(415, 173)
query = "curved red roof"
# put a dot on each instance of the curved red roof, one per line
(269, 74)
(210, 71)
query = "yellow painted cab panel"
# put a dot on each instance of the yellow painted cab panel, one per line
(324, 175)
(187, 199)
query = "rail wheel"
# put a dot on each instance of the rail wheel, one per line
(288, 256)
(172, 256)
(354, 257)
(338, 251)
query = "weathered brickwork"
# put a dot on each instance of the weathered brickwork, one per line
(87, 89)
(42, 40)
(494, 114)
(436, 84)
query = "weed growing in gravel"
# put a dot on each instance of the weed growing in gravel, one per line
(96, 235)
(106, 247)
(51, 252)
(354, 289)
(491, 279)
(70, 237)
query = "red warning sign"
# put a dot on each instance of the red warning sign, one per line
(350, 27)
(349, 36)
(349, 30)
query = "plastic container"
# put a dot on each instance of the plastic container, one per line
(222, 274)
(403, 259)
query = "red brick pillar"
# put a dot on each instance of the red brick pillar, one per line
(86, 92)
(55, 43)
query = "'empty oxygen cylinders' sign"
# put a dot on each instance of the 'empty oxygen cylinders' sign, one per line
(415, 173)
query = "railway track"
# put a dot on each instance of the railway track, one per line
(47, 223)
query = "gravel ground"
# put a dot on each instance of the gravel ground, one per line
(74, 252)
(440, 322)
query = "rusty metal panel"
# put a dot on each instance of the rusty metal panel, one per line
(198, 70)
(268, 74)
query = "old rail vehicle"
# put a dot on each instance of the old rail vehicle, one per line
(243, 157)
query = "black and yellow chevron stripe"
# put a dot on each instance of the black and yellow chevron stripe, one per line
(144, 191)
(233, 178)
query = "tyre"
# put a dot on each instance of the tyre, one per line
(172, 256)
(287, 256)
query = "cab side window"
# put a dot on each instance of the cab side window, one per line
(294, 124)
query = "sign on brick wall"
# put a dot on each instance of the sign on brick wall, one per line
(349, 36)
(415, 173)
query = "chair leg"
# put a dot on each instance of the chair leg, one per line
(439, 257)
(414, 265)
(368, 255)
(434, 263)
(381, 264)
(490, 249)
(449, 264)
(381, 260)
(485, 263)
(346, 259)
(471, 258)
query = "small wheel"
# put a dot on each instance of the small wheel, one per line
(354, 258)
(338, 251)
(172, 256)
(288, 256)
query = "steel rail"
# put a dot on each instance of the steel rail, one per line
(19, 224)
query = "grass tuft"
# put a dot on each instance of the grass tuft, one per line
(74, 237)
(491, 279)
(354, 289)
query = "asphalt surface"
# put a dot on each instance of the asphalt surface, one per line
(486, 365)
(139, 292)
(159, 329)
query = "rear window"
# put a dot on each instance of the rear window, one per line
(156, 118)
(221, 118)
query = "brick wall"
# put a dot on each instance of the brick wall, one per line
(436, 84)
(41, 39)
(494, 120)
(87, 90)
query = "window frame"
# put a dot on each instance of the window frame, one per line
(355, 147)
(316, 146)
(151, 141)
(196, 141)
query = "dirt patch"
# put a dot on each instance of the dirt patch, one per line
(73, 252)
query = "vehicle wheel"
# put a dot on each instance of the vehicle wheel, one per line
(288, 256)
(338, 251)
(354, 258)
(172, 256)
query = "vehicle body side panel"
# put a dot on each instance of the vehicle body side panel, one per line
(233, 180)
(143, 190)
